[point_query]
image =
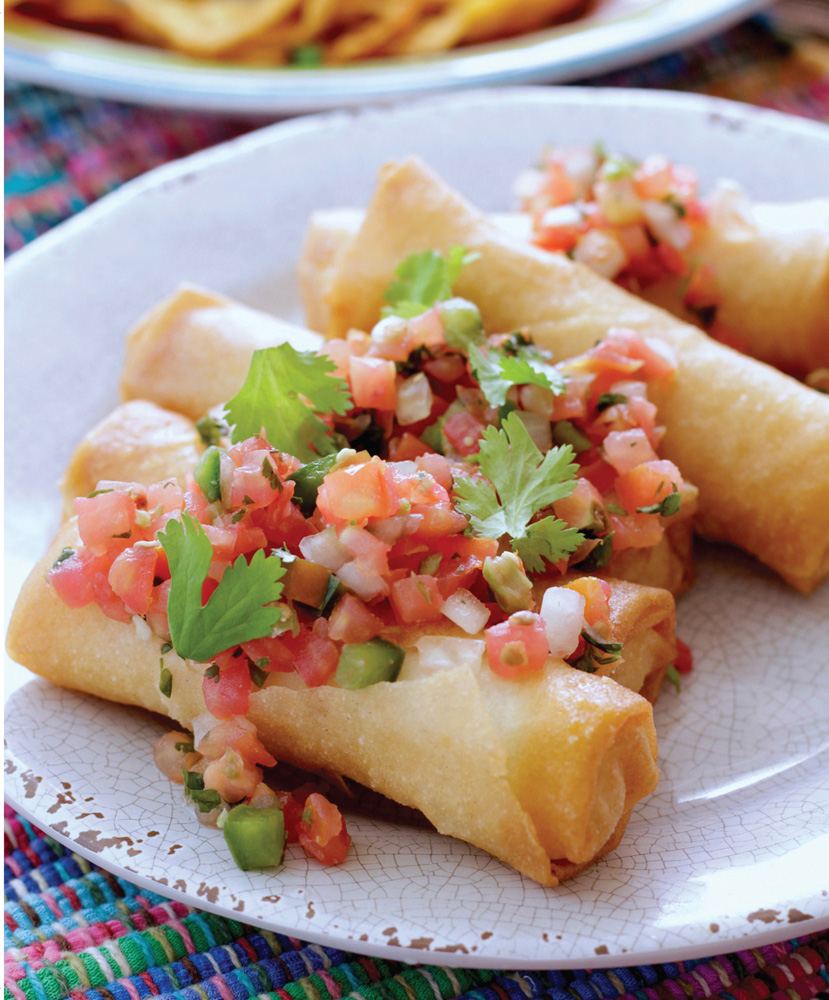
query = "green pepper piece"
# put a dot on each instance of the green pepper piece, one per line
(365, 663)
(256, 837)
(308, 480)
(208, 473)
(565, 432)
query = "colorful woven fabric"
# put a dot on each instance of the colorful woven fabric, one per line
(72, 930)
(63, 151)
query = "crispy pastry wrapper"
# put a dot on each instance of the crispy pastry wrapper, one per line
(752, 439)
(771, 264)
(138, 442)
(193, 351)
(542, 772)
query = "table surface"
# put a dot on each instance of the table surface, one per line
(75, 930)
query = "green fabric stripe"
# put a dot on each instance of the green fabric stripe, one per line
(94, 972)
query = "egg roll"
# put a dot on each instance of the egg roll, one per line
(541, 771)
(138, 442)
(194, 350)
(202, 344)
(754, 440)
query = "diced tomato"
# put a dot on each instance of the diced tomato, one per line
(457, 571)
(74, 577)
(439, 519)
(222, 539)
(438, 468)
(702, 290)
(518, 645)
(652, 178)
(228, 692)
(169, 496)
(572, 403)
(285, 526)
(249, 538)
(250, 487)
(357, 493)
(322, 830)
(270, 654)
(407, 447)
(373, 383)
(672, 260)
(104, 517)
(596, 594)
(370, 553)
(235, 733)
(314, 658)
(418, 487)
(195, 502)
(292, 808)
(417, 598)
(351, 621)
(583, 508)
(463, 432)
(448, 369)
(157, 614)
(656, 356)
(635, 531)
(600, 473)
(232, 776)
(684, 659)
(648, 484)
(131, 578)
(338, 351)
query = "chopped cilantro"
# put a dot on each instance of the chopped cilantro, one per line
(672, 675)
(522, 482)
(257, 673)
(166, 647)
(306, 56)
(165, 680)
(240, 608)
(424, 279)
(496, 371)
(608, 399)
(97, 493)
(185, 747)
(64, 555)
(599, 556)
(667, 506)
(617, 166)
(205, 798)
(272, 399)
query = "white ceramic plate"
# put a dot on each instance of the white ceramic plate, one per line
(729, 851)
(616, 33)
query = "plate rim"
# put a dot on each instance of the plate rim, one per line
(170, 173)
(533, 58)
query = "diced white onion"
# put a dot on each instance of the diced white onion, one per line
(364, 585)
(561, 215)
(562, 610)
(141, 627)
(581, 164)
(602, 253)
(537, 399)
(389, 330)
(414, 400)
(325, 549)
(466, 611)
(539, 429)
(528, 184)
(392, 529)
(618, 201)
(202, 724)
(226, 470)
(730, 211)
(624, 450)
(442, 652)
(666, 225)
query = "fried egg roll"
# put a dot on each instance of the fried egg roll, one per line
(753, 440)
(541, 771)
(204, 343)
(771, 264)
(194, 350)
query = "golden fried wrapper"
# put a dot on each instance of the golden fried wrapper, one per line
(753, 440)
(138, 442)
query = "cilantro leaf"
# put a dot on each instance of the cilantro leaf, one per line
(239, 609)
(524, 365)
(522, 482)
(424, 279)
(272, 398)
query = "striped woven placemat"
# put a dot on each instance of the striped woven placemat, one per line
(65, 151)
(73, 930)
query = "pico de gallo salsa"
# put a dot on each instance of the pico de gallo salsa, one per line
(631, 221)
(419, 474)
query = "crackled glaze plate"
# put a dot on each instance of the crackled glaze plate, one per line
(729, 852)
(615, 33)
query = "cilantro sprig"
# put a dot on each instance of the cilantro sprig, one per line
(522, 482)
(424, 279)
(239, 609)
(497, 370)
(273, 397)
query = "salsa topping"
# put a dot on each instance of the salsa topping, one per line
(420, 473)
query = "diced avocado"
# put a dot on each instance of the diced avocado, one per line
(308, 480)
(365, 663)
(208, 473)
(256, 837)
(462, 323)
(306, 582)
(508, 582)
